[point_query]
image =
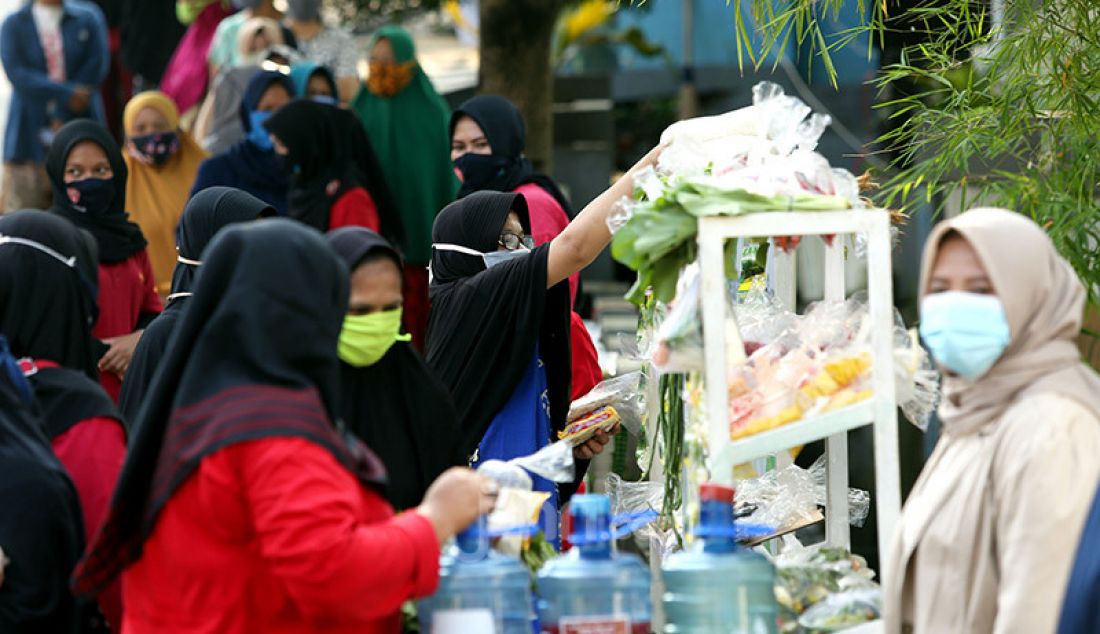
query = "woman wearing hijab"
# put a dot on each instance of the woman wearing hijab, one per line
(498, 335)
(242, 507)
(335, 178)
(47, 307)
(186, 77)
(1019, 454)
(89, 176)
(388, 396)
(487, 142)
(406, 121)
(207, 213)
(218, 124)
(316, 82)
(41, 537)
(163, 161)
(251, 164)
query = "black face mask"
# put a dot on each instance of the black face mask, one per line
(479, 171)
(92, 196)
(156, 148)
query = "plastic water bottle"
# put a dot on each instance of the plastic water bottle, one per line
(480, 590)
(718, 587)
(592, 589)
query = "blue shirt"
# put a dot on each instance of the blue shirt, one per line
(521, 428)
(36, 99)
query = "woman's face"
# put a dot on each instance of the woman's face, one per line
(87, 160)
(468, 139)
(382, 53)
(511, 225)
(274, 97)
(958, 268)
(150, 121)
(318, 86)
(375, 287)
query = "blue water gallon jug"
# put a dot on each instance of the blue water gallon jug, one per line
(593, 589)
(718, 587)
(480, 590)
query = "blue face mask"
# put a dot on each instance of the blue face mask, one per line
(259, 135)
(328, 100)
(965, 332)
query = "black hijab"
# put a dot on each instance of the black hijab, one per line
(41, 529)
(117, 237)
(254, 356)
(484, 324)
(207, 213)
(508, 168)
(397, 406)
(47, 308)
(331, 154)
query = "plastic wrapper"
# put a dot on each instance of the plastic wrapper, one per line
(679, 341)
(788, 497)
(628, 498)
(918, 383)
(553, 462)
(624, 393)
(843, 610)
(515, 508)
(506, 474)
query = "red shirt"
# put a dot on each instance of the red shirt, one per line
(93, 451)
(126, 290)
(275, 536)
(354, 209)
(548, 219)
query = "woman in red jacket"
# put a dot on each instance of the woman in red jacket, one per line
(47, 305)
(335, 178)
(88, 176)
(241, 507)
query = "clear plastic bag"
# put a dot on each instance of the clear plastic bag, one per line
(843, 610)
(807, 577)
(679, 340)
(553, 462)
(788, 497)
(635, 497)
(624, 393)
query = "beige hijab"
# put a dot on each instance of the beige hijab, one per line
(1044, 302)
(246, 36)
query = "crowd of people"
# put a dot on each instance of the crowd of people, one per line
(259, 319)
(280, 304)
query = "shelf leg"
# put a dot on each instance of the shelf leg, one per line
(887, 479)
(837, 529)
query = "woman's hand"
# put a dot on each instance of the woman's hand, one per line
(117, 359)
(594, 446)
(456, 499)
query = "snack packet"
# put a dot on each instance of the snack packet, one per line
(585, 427)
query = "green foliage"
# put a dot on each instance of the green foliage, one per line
(781, 20)
(1004, 117)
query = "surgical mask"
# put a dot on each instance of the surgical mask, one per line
(92, 196)
(965, 332)
(491, 258)
(258, 134)
(386, 79)
(328, 100)
(156, 148)
(365, 339)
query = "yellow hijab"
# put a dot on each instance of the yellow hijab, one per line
(155, 196)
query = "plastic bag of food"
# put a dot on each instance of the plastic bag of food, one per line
(515, 508)
(842, 610)
(679, 342)
(806, 577)
(624, 393)
(918, 383)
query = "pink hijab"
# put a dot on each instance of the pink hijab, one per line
(1044, 302)
(187, 74)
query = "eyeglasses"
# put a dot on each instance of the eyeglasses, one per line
(512, 241)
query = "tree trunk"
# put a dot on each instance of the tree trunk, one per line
(516, 36)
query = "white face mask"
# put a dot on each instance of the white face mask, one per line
(491, 258)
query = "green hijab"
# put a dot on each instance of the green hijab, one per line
(409, 132)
